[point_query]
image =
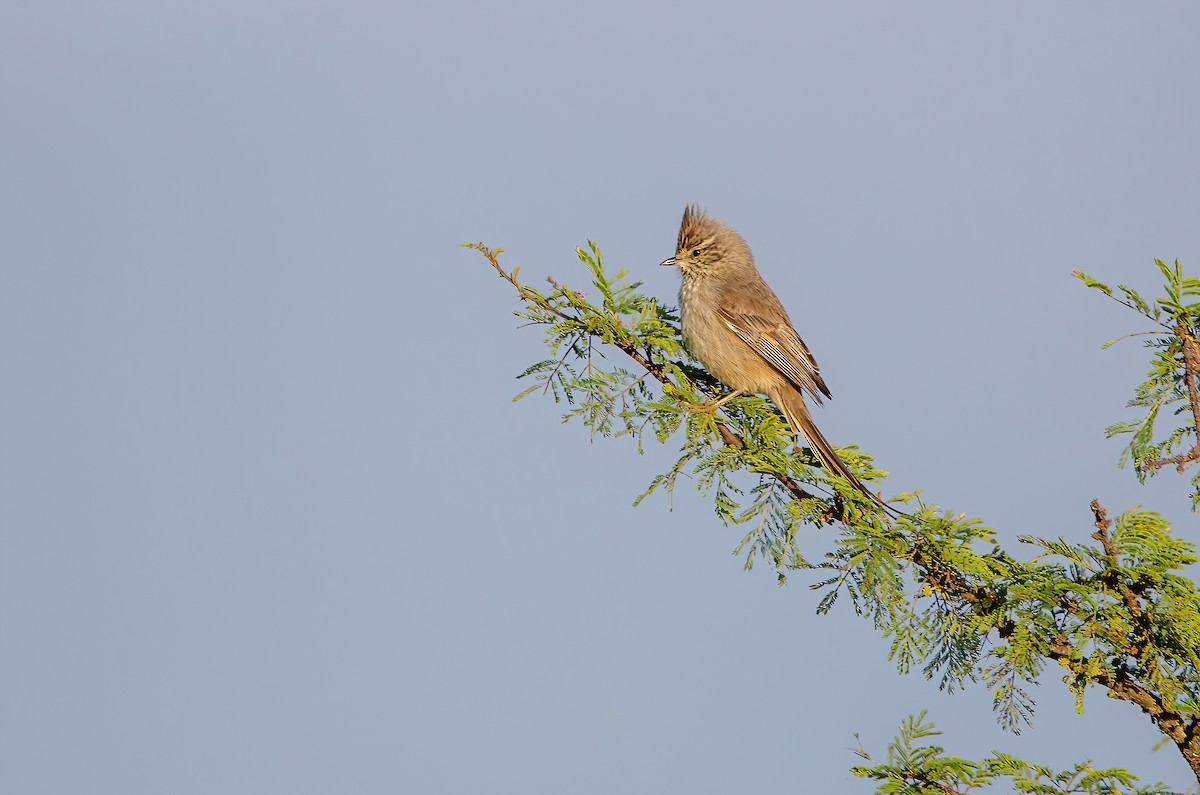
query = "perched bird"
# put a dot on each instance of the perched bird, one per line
(735, 326)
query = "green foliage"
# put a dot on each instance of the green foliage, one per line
(1116, 614)
(1168, 387)
(916, 768)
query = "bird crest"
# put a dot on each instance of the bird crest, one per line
(695, 228)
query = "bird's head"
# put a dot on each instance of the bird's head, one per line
(705, 244)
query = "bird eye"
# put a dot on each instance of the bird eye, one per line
(695, 252)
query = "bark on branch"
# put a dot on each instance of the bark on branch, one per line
(1191, 372)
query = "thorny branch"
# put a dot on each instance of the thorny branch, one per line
(1191, 371)
(1128, 597)
(1181, 728)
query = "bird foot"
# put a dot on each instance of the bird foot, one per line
(701, 408)
(711, 406)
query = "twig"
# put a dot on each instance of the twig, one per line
(1110, 551)
(645, 361)
(1191, 371)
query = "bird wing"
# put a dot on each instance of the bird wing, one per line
(780, 345)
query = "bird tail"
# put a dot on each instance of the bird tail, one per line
(791, 403)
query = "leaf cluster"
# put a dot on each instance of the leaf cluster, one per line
(1170, 388)
(1114, 613)
(913, 767)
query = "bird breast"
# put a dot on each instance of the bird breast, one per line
(714, 345)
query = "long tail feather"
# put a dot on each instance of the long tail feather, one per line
(789, 400)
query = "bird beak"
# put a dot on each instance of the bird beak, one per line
(670, 261)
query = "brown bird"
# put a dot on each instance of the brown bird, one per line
(735, 326)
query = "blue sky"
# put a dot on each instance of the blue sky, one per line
(270, 520)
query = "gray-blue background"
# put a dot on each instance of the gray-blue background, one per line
(269, 522)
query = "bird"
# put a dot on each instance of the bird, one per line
(735, 325)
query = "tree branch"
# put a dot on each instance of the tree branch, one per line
(1191, 371)
(1128, 597)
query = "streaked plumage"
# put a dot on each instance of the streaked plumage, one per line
(735, 325)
